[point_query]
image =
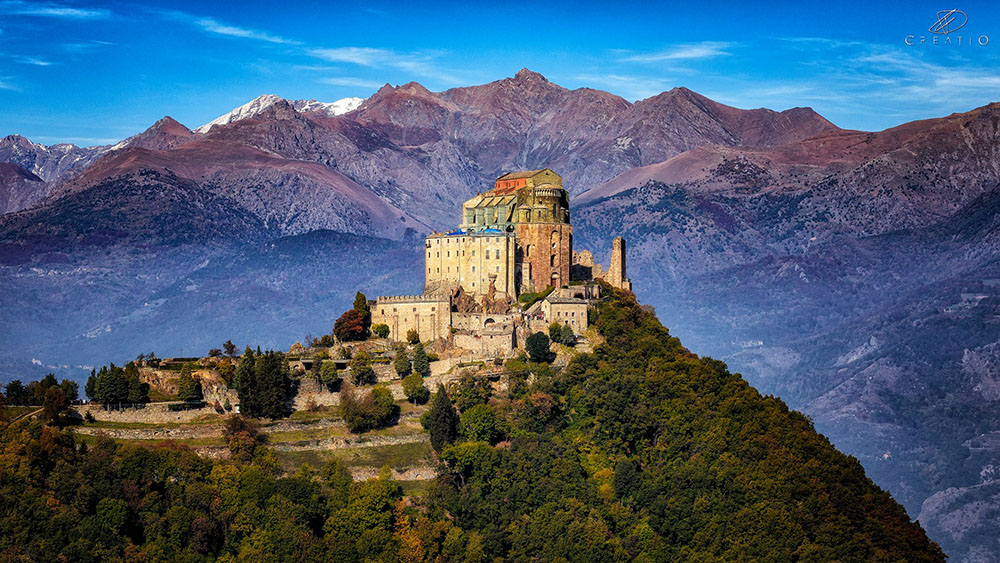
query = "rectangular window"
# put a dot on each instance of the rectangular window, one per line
(487, 253)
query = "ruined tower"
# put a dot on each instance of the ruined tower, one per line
(616, 270)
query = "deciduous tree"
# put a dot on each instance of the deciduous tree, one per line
(415, 390)
(350, 326)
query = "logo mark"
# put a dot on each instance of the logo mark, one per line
(949, 21)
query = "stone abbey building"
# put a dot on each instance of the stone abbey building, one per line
(514, 239)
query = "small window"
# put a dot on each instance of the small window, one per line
(473, 268)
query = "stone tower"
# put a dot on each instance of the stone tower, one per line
(616, 270)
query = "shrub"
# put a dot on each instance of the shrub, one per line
(381, 330)
(373, 409)
(412, 336)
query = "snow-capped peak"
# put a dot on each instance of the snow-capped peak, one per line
(261, 103)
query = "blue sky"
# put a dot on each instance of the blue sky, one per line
(93, 72)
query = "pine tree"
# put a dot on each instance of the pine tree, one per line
(90, 388)
(401, 363)
(441, 420)
(188, 389)
(361, 306)
(420, 363)
(361, 369)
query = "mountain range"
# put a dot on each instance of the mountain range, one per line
(853, 273)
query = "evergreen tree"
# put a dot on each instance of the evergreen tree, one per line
(361, 306)
(243, 381)
(401, 363)
(111, 389)
(361, 369)
(329, 376)
(441, 420)
(566, 336)
(71, 389)
(16, 393)
(264, 385)
(229, 348)
(91, 387)
(555, 332)
(538, 347)
(188, 388)
(138, 392)
(420, 363)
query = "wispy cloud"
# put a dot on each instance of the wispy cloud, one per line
(687, 51)
(629, 87)
(51, 10)
(212, 25)
(420, 63)
(364, 56)
(82, 141)
(34, 61)
(85, 46)
(6, 84)
(349, 81)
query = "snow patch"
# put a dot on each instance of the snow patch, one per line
(261, 103)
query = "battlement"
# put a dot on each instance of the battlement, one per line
(425, 298)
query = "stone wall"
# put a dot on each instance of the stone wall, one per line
(471, 260)
(488, 343)
(478, 321)
(429, 315)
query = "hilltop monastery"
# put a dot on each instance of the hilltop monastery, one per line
(508, 270)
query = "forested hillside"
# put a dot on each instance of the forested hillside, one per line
(638, 451)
